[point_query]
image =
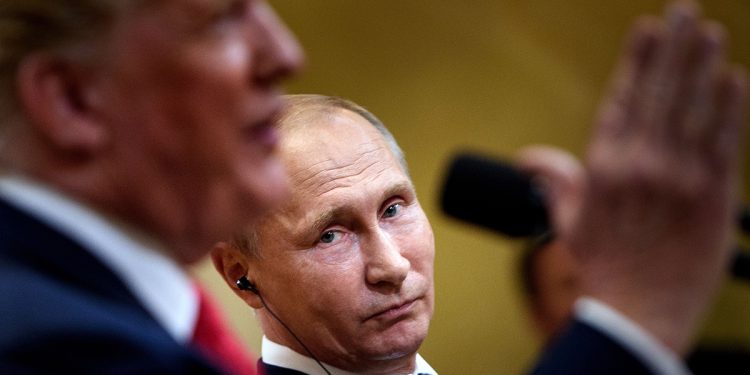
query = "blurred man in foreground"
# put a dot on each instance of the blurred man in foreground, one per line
(134, 135)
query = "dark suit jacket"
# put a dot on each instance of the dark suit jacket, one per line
(717, 358)
(582, 349)
(62, 311)
(266, 369)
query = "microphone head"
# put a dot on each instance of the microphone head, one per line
(493, 195)
(744, 219)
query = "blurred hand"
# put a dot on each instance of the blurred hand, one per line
(651, 217)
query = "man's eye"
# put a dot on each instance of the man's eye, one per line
(330, 236)
(392, 210)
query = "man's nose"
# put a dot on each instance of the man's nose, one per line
(278, 54)
(386, 266)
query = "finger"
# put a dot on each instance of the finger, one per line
(698, 107)
(659, 91)
(550, 161)
(638, 53)
(561, 176)
(731, 103)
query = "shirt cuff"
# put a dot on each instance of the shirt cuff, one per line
(654, 355)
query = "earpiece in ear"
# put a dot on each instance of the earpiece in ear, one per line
(244, 284)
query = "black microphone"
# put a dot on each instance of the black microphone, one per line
(744, 220)
(494, 195)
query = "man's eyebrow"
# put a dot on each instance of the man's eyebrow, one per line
(401, 188)
(328, 216)
(324, 219)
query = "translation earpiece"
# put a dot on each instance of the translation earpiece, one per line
(244, 284)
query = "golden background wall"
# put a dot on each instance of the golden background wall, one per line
(491, 75)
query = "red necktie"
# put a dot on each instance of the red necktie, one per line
(216, 341)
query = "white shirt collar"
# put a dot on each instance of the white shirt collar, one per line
(157, 281)
(282, 356)
(652, 353)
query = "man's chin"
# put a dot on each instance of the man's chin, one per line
(396, 347)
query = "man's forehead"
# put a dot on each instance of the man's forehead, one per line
(334, 144)
(341, 168)
(336, 155)
(368, 171)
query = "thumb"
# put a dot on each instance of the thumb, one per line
(561, 176)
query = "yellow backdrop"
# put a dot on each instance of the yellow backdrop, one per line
(491, 75)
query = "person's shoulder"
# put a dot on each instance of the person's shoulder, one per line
(719, 358)
(582, 349)
(62, 310)
(50, 328)
(266, 369)
(86, 354)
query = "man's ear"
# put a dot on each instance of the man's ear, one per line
(232, 264)
(58, 97)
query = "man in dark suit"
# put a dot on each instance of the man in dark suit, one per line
(341, 275)
(134, 135)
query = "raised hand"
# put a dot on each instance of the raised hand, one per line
(653, 228)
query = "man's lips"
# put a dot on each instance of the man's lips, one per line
(261, 114)
(394, 311)
(265, 133)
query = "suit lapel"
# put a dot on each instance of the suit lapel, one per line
(27, 241)
(266, 369)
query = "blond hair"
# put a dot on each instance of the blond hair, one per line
(63, 28)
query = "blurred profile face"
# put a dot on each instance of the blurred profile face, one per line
(190, 88)
(348, 262)
(557, 288)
